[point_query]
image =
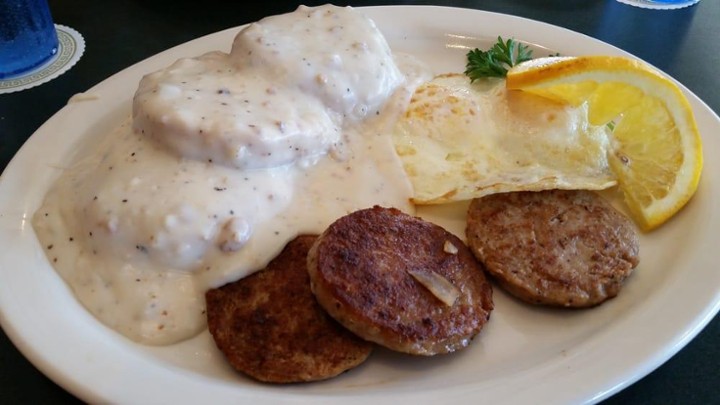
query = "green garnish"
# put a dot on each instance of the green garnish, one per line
(496, 61)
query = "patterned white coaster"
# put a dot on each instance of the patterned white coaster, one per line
(71, 46)
(659, 5)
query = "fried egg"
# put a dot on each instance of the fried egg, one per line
(460, 140)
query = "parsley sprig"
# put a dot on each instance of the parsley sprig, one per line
(496, 61)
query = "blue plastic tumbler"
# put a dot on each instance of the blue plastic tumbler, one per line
(660, 4)
(27, 36)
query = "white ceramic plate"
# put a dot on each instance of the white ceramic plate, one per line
(525, 354)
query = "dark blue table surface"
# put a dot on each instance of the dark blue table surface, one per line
(684, 43)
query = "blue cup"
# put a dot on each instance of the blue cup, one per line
(27, 36)
(660, 4)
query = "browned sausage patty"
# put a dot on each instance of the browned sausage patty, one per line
(270, 326)
(562, 248)
(360, 273)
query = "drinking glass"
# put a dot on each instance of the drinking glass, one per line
(27, 36)
(660, 4)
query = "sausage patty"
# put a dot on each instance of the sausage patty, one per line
(560, 248)
(360, 271)
(270, 327)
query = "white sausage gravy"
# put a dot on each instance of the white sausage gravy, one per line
(226, 158)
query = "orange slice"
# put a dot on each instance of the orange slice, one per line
(656, 150)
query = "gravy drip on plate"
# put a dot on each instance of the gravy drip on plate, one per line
(228, 157)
